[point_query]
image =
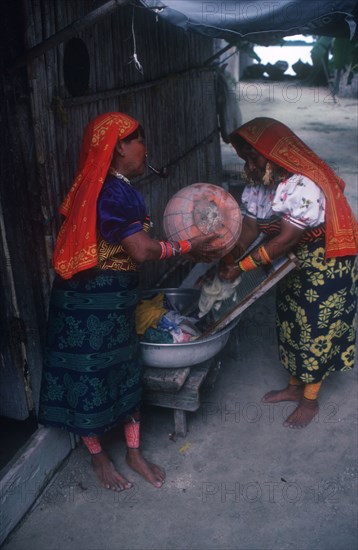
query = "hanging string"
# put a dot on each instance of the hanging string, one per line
(135, 59)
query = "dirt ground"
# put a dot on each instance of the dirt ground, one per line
(239, 479)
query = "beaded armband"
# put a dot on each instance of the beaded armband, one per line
(170, 248)
(264, 257)
(248, 263)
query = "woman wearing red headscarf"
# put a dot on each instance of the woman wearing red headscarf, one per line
(92, 379)
(297, 201)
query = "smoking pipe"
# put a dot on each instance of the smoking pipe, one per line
(162, 173)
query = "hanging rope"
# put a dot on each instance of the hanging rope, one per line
(135, 59)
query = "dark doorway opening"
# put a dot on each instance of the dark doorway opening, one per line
(14, 434)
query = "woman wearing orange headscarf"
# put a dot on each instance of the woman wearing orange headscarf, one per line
(297, 201)
(92, 378)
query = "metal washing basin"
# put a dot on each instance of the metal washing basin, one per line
(189, 353)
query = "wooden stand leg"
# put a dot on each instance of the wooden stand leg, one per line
(180, 422)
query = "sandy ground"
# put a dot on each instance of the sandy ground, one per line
(239, 479)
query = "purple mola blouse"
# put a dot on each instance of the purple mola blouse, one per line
(121, 211)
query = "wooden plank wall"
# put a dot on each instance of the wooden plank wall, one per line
(177, 108)
(174, 99)
(23, 269)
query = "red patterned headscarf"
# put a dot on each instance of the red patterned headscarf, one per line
(278, 143)
(76, 245)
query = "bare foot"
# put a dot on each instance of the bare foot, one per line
(303, 414)
(152, 473)
(107, 474)
(291, 393)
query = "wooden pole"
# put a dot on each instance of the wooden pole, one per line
(64, 34)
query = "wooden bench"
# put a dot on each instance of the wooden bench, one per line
(177, 389)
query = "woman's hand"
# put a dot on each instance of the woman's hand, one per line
(201, 251)
(229, 272)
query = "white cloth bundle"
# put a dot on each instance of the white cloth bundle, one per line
(214, 292)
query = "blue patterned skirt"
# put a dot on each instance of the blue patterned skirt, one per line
(92, 375)
(316, 314)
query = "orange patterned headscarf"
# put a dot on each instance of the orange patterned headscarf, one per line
(76, 245)
(278, 143)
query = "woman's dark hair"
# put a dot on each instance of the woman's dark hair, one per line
(138, 132)
(237, 141)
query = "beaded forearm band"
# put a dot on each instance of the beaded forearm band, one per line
(170, 249)
(248, 263)
(184, 247)
(265, 258)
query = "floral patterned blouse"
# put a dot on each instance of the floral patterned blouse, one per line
(297, 200)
